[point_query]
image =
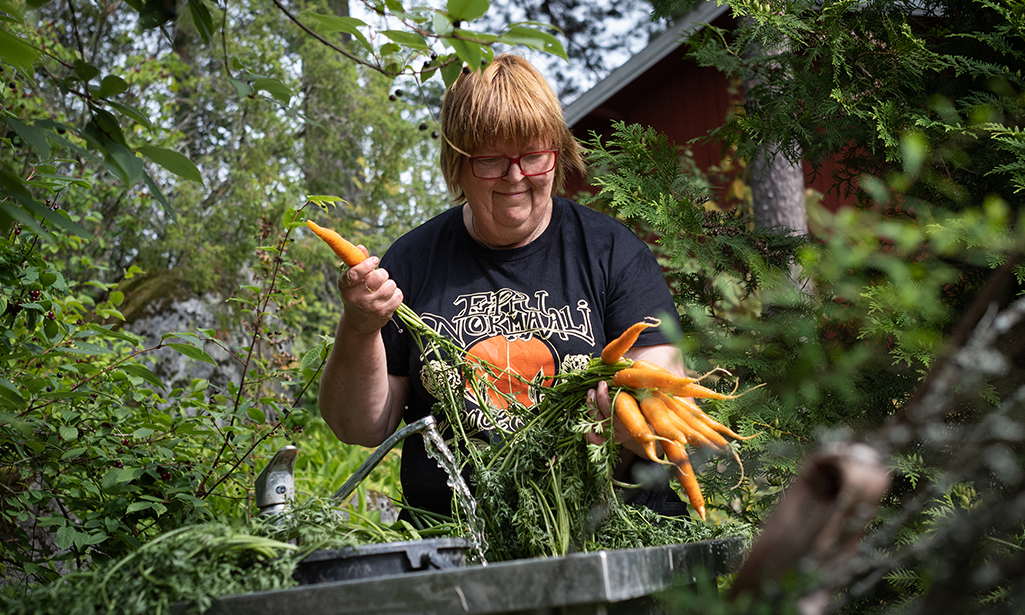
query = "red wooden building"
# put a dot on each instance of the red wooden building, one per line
(661, 88)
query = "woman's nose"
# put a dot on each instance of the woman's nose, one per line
(515, 173)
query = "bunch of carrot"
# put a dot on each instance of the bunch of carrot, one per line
(657, 407)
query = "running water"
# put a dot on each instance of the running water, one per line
(441, 454)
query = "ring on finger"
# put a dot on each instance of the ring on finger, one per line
(365, 286)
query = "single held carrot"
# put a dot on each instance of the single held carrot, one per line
(685, 474)
(629, 414)
(350, 254)
(635, 377)
(615, 349)
(693, 389)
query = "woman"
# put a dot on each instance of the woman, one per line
(527, 280)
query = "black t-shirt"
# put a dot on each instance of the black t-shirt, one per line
(539, 309)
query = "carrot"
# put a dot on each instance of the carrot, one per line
(685, 474)
(615, 349)
(649, 378)
(700, 415)
(661, 419)
(629, 414)
(704, 434)
(350, 254)
(693, 389)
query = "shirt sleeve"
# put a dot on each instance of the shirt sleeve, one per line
(637, 290)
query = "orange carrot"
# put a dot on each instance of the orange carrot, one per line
(685, 474)
(661, 419)
(649, 378)
(350, 254)
(615, 349)
(704, 435)
(700, 415)
(693, 389)
(629, 414)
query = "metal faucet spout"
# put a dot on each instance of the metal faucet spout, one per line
(275, 486)
(425, 424)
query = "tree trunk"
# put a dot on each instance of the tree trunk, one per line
(777, 192)
(777, 186)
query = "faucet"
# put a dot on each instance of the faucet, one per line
(428, 423)
(275, 486)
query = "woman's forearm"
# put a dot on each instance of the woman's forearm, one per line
(359, 400)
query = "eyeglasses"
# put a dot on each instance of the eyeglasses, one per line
(494, 167)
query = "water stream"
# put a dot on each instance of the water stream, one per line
(438, 451)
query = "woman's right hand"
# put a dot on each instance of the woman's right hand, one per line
(369, 295)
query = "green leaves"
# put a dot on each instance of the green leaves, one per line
(202, 19)
(16, 52)
(328, 24)
(467, 10)
(193, 352)
(534, 38)
(173, 161)
(34, 137)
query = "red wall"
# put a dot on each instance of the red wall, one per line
(685, 101)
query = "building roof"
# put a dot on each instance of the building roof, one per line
(659, 48)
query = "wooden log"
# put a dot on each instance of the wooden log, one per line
(817, 526)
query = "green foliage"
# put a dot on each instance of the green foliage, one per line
(888, 289)
(711, 257)
(859, 80)
(186, 569)
(98, 455)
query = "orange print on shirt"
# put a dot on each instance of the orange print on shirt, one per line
(531, 359)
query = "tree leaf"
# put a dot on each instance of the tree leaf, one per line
(128, 474)
(467, 10)
(535, 39)
(85, 71)
(16, 52)
(274, 87)
(409, 39)
(68, 433)
(468, 52)
(193, 352)
(311, 357)
(173, 161)
(137, 506)
(65, 536)
(203, 20)
(132, 113)
(33, 136)
(243, 88)
(129, 165)
(155, 189)
(112, 85)
(140, 371)
(442, 24)
(450, 72)
(326, 24)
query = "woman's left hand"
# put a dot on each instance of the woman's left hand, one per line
(600, 402)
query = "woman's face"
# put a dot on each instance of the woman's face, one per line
(509, 206)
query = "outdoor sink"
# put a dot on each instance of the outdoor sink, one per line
(623, 580)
